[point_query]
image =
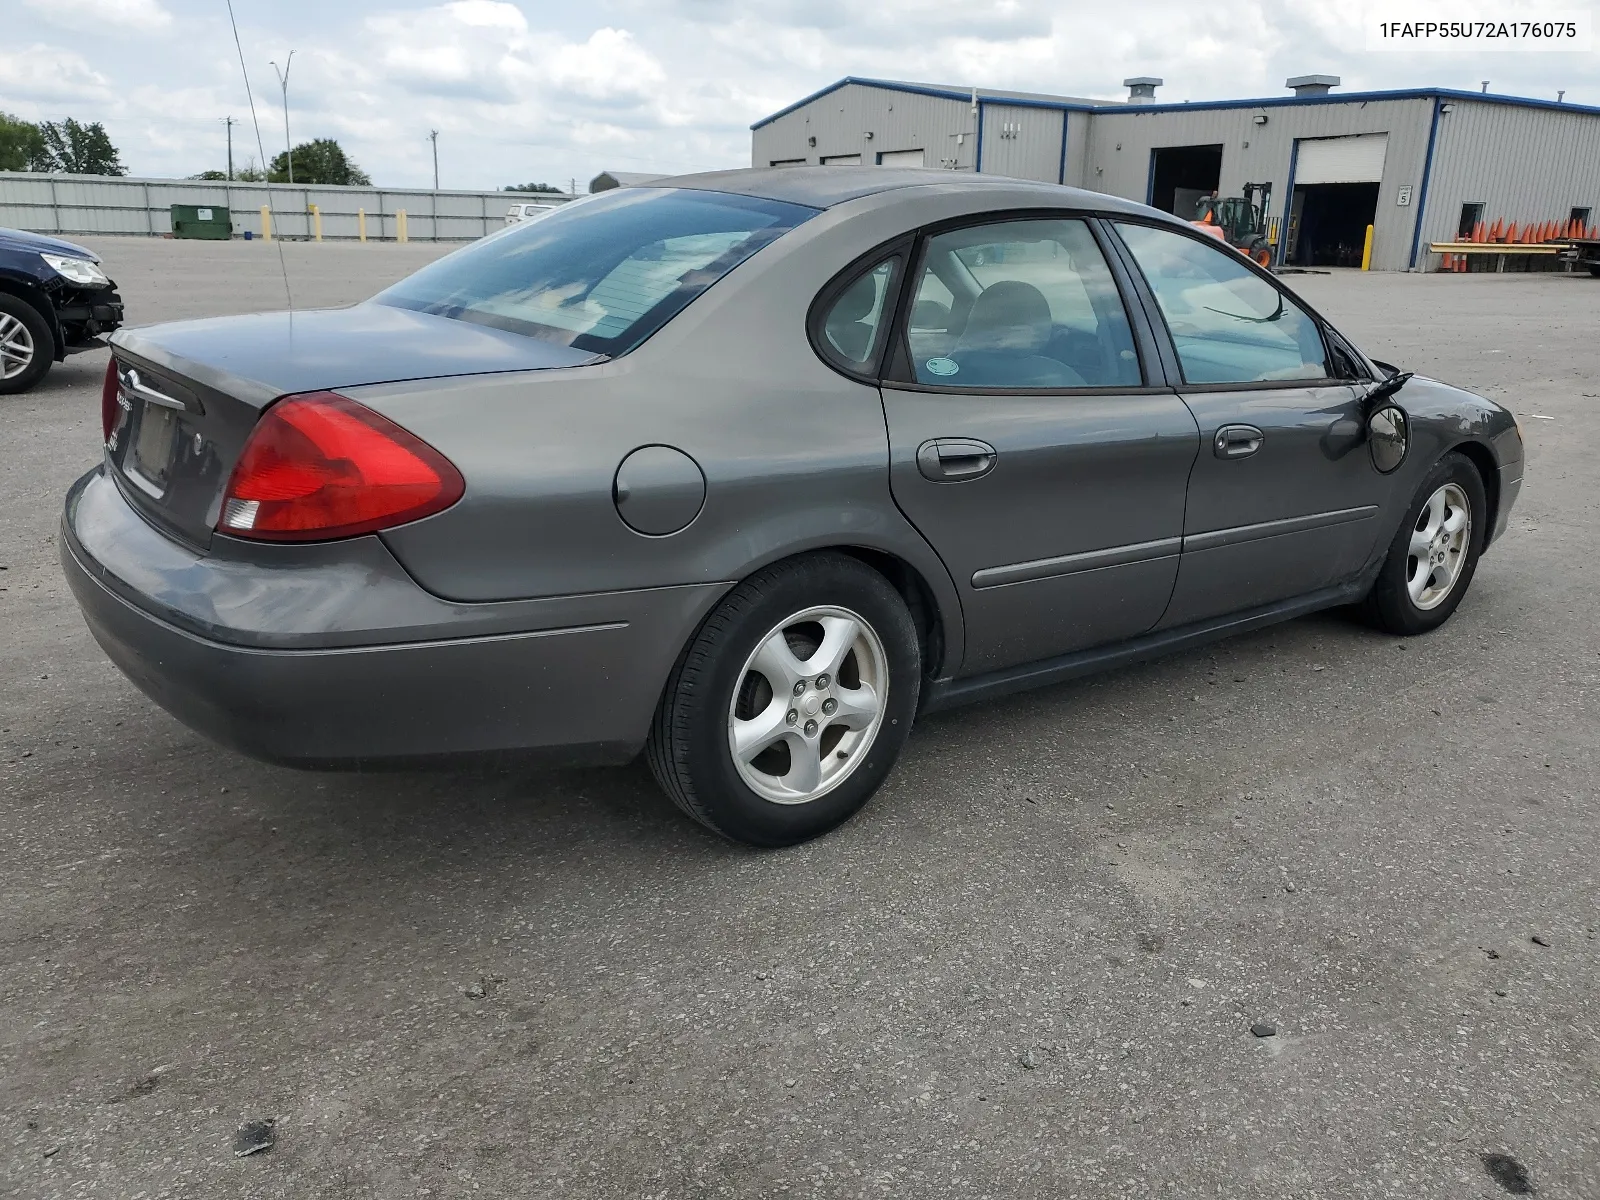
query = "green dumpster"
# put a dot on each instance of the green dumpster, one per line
(201, 221)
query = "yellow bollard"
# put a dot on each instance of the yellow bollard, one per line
(400, 226)
(1366, 251)
(361, 222)
(266, 223)
(316, 221)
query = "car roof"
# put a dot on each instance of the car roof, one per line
(824, 187)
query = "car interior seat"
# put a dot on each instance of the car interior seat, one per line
(1010, 324)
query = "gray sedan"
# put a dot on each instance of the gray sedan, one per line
(745, 471)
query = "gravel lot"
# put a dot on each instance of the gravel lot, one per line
(1030, 969)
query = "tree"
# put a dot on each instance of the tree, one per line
(80, 149)
(532, 187)
(210, 175)
(21, 145)
(320, 161)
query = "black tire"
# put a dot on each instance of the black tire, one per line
(1595, 271)
(688, 748)
(1389, 605)
(44, 344)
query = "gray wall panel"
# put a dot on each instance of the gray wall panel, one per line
(897, 121)
(1021, 142)
(1523, 164)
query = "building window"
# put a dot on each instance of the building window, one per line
(1471, 216)
(1581, 216)
(787, 162)
(842, 160)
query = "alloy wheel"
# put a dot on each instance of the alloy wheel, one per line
(808, 705)
(16, 346)
(1438, 548)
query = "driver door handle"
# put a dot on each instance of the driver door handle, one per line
(1237, 441)
(955, 460)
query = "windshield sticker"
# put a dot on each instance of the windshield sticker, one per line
(942, 366)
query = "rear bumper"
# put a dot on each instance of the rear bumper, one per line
(291, 663)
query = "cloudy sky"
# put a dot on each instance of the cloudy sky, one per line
(538, 90)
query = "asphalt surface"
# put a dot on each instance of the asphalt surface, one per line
(1029, 969)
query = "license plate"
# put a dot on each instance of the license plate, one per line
(152, 445)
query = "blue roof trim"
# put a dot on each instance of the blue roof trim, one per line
(1354, 98)
(913, 89)
(1134, 109)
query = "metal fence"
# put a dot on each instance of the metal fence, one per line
(111, 204)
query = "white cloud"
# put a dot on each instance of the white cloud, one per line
(47, 76)
(610, 66)
(92, 15)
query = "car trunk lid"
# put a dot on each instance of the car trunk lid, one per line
(189, 393)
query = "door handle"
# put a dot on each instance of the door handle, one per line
(955, 460)
(1237, 441)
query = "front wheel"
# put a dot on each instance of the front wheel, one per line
(791, 704)
(27, 347)
(1435, 553)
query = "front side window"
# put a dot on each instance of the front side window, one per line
(1019, 304)
(853, 324)
(601, 275)
(1227, 323)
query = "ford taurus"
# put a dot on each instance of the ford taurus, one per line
(745, 471)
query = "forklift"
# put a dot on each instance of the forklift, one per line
(1240, 221)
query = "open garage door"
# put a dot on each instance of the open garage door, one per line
(1181, 175)
(1341, 159)
(1335, 198)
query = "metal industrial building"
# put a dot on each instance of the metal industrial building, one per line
(1420, 166)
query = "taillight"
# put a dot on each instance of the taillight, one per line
(108, 400)
(321, 466)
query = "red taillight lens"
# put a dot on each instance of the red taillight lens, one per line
(321, 466)
(108, 400)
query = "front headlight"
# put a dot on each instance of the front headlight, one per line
(79, 270)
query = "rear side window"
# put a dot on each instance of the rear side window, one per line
(852, 325)
(1227, 323)
(601, 275)
(1019, 304)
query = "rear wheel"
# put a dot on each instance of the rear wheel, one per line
(1435, 552)
(791, 704)
(26, 345)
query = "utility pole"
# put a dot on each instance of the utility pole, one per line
(433, 136)
(230, 123)
(283, 84)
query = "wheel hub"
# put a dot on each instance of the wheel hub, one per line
(1439, 545)
(825, 708)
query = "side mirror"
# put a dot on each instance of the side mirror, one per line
(1388, 438)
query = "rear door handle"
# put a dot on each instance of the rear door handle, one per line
(955, 460)
(1237, 441)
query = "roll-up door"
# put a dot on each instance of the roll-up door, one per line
(1357, 159)
(900, 158)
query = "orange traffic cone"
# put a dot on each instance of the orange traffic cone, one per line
(1477, 232)
(1497, 230)
(1511, 232)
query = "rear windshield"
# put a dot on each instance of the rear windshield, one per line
(602, 274)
